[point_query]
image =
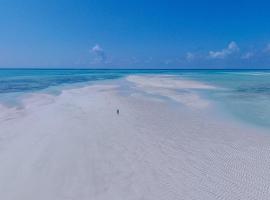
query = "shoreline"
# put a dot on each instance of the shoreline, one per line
(75, 146)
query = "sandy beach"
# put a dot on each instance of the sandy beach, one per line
(164, 145)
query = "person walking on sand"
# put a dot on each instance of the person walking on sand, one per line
(117, 111)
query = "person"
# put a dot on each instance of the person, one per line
(117, 111)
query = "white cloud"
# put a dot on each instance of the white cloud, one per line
(247, 55)
(134, 60)
(190, 56)
(168, 61)
(149, 60)
(231, 49)
(100, 55)
(267, 49)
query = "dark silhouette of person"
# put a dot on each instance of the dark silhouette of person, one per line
(117, 111)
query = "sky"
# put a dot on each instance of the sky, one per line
(135, 34)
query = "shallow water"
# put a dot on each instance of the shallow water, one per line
(243, 93)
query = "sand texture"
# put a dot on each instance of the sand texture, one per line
(75, 147)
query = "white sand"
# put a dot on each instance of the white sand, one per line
(167, 81)
(169, 86)
(74, 147)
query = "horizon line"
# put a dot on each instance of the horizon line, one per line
(84, 68)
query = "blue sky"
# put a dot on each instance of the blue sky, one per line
(135, 34)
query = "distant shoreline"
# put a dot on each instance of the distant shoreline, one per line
(143, 69)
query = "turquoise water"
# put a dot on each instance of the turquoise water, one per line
(243, 93)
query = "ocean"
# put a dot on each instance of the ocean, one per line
(244, 94)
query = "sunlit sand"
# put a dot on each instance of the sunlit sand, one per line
(160, 146)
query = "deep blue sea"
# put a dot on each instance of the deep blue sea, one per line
(245, 93)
